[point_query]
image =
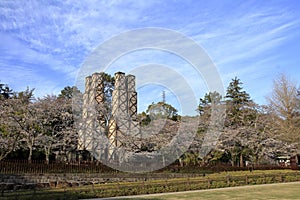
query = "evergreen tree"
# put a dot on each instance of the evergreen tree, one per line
(237, 100)
(5, 91)
(68, 92)
(235, 93)
(209, 98)
(109, 82)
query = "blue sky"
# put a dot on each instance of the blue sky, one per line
(44, 43)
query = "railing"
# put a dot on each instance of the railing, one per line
(40, 167)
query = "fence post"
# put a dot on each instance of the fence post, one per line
(65, 193)
(281, 178)
(228, 180)
(208, 183)
(2, 191)
(246, 179)
(93, 188)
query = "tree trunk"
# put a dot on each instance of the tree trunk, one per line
(47, 152)
(47, 159)
(257, 160)
(180, 162)
(30, 155)
(163, 160)
(232, 163)
(69, 156)
(241, 161)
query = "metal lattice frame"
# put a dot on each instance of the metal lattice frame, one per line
(99, 96)
(132, 97)
(132, 124)
(93, 121)
(123, 115)
(85, 123)
(132, 105)
(124, 111)
(119, 112)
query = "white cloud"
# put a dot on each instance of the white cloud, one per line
(58, 36)
(239, 42)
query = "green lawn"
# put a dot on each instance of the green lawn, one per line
(285, 191)
(216, 180)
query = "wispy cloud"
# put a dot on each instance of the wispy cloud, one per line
(49, 41)
(56, 36)
(247, 41)
(246, 36)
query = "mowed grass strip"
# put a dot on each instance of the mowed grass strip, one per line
(216, 180)
(282, 191)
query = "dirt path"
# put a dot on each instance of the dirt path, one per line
(193, 191)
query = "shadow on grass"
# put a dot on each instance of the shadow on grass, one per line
(29, 195)
(61, 196)
(143, 199)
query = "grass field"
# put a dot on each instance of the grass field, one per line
(283, 191)
(225, 180)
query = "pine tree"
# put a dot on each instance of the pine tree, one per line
(235, 93)
(209, 98)
(5, 91)
(237, 99)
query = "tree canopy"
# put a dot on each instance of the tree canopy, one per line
(207, 100)
(284, 104)
(237, 101)
(235, 93)
(251, 131)
(162, 110)
(5, 91)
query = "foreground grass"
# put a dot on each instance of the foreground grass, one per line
(216, 180)
(283, 191)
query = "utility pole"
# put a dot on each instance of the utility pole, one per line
(164, 96)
